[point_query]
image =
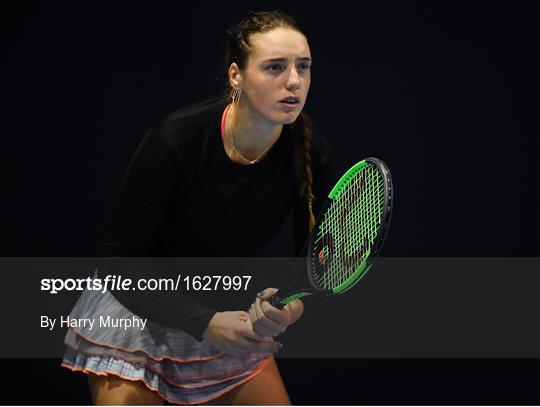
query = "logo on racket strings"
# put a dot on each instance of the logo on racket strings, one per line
(320, 257)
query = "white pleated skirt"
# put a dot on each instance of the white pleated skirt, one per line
(168, 361)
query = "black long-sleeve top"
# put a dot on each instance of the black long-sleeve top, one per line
(182, 196)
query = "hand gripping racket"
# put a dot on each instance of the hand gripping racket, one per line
(349, 232)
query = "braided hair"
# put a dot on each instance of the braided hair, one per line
(238, 48)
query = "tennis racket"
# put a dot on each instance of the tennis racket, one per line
(349, 233)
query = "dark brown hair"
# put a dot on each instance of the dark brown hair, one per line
(238, 49)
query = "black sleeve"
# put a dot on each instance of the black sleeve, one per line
(325, 175)
(146, 188)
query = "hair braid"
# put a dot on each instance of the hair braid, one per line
(303, 132)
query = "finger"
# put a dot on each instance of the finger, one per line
(252, 314)
(256, 311)
(243, 345)
(292, 304)
(245, 318)
(252, 333)
(260, 347)
(255, 333)
(263, 329)
(282, 316)
(256, 317)
(263, 324)
(265, 339)
(267, 293)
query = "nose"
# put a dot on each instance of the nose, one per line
(293, 80)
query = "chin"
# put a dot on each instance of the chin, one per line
(291, 118)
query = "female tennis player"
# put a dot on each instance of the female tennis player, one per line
(216, 178)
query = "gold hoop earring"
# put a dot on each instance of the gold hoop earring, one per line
(235, 96)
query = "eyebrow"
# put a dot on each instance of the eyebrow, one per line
(303, 59)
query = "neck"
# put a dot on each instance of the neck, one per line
(252, 133)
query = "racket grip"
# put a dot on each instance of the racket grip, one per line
(283, 297)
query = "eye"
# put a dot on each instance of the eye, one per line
(304, 66)
(274, 68)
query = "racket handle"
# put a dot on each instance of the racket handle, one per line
(283, 297)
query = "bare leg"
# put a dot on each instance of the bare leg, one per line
(266, 388)
(113, 390)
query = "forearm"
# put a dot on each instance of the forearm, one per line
(169, 308)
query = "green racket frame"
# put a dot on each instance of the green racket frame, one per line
(289, 294)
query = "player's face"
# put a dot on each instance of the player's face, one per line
(278, 68)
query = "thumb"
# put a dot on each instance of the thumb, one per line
(266, 294)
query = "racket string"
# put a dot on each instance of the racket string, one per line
(348, 229)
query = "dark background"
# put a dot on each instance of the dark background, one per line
(445, 93)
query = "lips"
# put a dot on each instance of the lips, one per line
(291, 100)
